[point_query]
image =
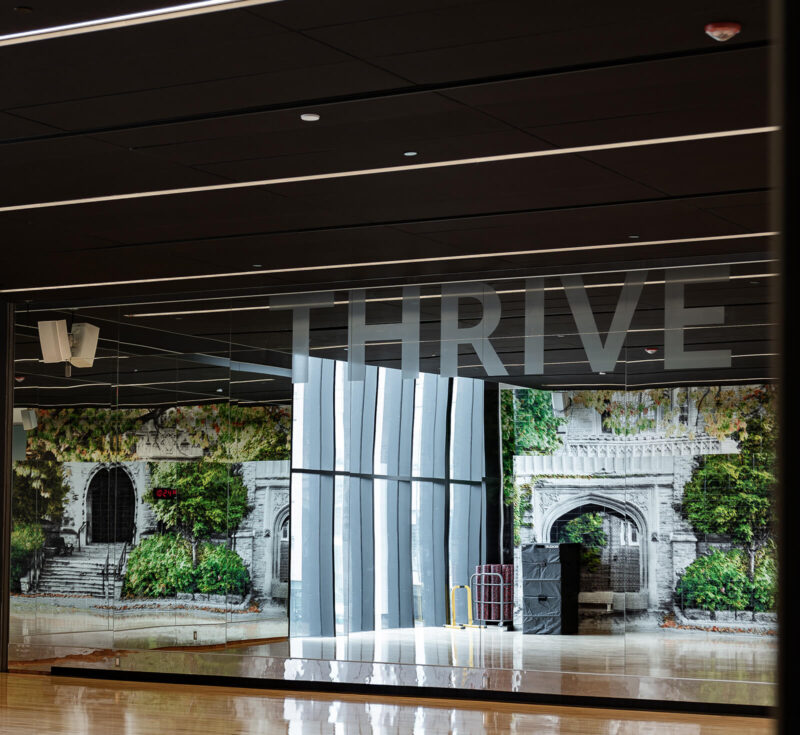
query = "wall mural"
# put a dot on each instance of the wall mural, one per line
(670, 491)
(186, 504)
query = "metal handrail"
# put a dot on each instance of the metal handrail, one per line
(105, 573)
(121, 563)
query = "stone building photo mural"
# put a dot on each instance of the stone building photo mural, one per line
(670, 492)
(163, 516)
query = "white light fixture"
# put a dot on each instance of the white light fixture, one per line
(128, 19)
(77, 347)
(309, 117)
(409, 154)
(404, 261)
(351, 173)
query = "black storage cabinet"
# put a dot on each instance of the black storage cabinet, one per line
(550, 584)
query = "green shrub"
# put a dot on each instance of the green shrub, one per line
(221, 571)
(160, 566)
(715, 582)
(26, 538)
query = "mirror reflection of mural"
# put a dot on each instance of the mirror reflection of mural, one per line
(90, 524)
(670, 492)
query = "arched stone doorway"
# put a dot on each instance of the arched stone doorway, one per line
(628, 558)
(615, 563)
(111, 506)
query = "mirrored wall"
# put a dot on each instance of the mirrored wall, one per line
(552, 484)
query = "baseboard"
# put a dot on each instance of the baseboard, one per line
(384, 690)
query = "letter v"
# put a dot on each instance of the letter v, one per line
(603, 358)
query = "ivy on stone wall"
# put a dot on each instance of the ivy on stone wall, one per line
(528, 426)
(719, 411)
(224, 432)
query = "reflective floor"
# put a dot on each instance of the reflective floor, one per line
(663, 664)
(50, 705)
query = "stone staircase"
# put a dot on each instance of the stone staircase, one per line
(81, 573)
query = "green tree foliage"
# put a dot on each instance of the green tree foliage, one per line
(26, 539)
(160, 566)
(221, 571)
(586, 529)
(212, 499)
(732, 494)
(528, 426)
(39, 490)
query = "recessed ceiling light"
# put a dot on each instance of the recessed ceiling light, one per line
(601, 373)
(309, 117)
(410, 153)
(633, 237)
(219, 390)
(755, 283)
(257, 265)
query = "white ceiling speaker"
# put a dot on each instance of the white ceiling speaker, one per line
(29, 420)
(84, 344)
(27, 417)
(77, 347)
(54, 339)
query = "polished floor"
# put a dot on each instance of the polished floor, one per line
(663, 664)
(49, 705)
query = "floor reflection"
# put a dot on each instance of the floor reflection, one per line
(70, 706)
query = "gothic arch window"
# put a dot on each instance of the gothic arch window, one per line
(281, 550)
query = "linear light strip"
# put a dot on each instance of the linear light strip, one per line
(381, 299)
(393, 169)
(171, 12)
(400, 261)
(461, 367)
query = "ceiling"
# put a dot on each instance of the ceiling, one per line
(216, 99)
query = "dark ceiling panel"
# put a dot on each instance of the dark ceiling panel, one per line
(217, 98)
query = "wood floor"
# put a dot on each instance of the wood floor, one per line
(48, 705)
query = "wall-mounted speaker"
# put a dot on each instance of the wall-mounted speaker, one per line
(29, 419)
(54, 339)
(84, 344)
